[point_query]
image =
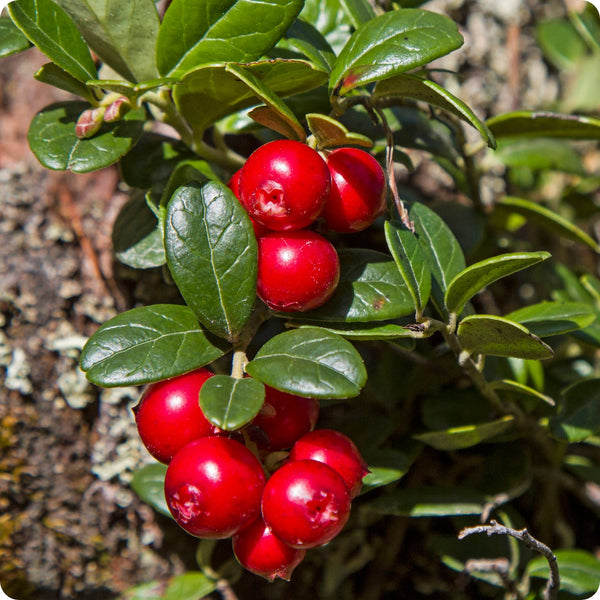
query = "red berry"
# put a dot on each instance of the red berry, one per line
(305, 503)
(285, 417)
(297, 270)
(261, 552)
(234, 186)
(358, 187)
(337, 451)
(284, 185)
(213, 487)
(168, 415)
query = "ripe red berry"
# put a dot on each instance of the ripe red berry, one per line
(357, 194)
(337, 451)
(305, 503)
(234, 186)
(258, 549)
(297, 270)
(285, 417)
(284, 185)
(213, 487)
(168, 415)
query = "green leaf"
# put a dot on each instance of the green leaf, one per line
(148, 344)
(521, 389)
(592, 285)
(540, 154)
(310, 362)
(149, 484)
(225, 31)
(330, 19)
(330, 133)
(221, 92)
(546, 218)
(554, 318)
(476, 277)
(189, 586)
(443, 252)
(306, 39)
(113, 30)
(366, 331)
(466, 436)
(560, 42)
(358, 11)
(50, 28)
(498, 336)
(392, 43)
(396, 89)
(430, 501)
(579, 415)
(52, 138)
(411, 262)
(53, 75)
(146, 591)
(136, 236)
(231, 403)
(370, 289)
(212, 256)
(12, 40)
(579, 570)
(583, 468)
(389, 465)
(544, 124)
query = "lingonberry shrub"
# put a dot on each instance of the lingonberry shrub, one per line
(475, 395)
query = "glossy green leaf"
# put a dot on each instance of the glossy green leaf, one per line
(587, 23)
(148, 344)
(231, 403)
(370, 289)
(546, 218)
(12, 40)
(392, 43)
(310, 362)
(136, 236)
(389, 465)
(149, 484)
(225, 31)
(192, 585)
(579, 415)
(330, 133)
(476, 277)
(430, 501)
(521, 389)
(443, 252)
(220, 92)
(212, 256)
(122, 34)
(540, 154)
(306, 39)
(554, 318)
(579, 570)
(411, 261)
(544, 124)
(560, 42)
(189, 171)
(397, 89)
(498, 336)
(466, 436)
(52, 138)
(50, 28)
(53, 75)
(359, 11)
(330, 19)
(366, 331)
(592, 285)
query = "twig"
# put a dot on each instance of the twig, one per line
(551, 591)
(500, 567)
(225, 589)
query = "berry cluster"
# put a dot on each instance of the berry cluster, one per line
(285, 186)
(218, 484)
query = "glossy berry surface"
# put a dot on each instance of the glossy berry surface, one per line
(168, 415)
(213, 487)
(234, 186)
(284, 185)
(305, 503)
(297, 270)
(285, 417)
(337, 451)
(358, 190)
(260, 551)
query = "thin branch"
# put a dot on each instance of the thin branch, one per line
(552, 587)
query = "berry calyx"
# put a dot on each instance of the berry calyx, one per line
(305, 503)
(260, 551)
(169, 416)
(213, 487)
(337, 451)
(284, 185)
(358, 188)
(285, 417)
(297, 270)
